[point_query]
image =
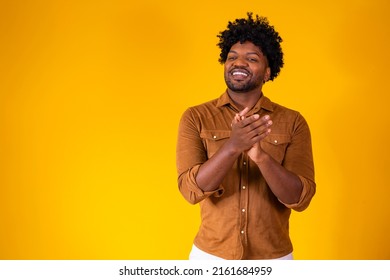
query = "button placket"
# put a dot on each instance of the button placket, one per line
(244, 198)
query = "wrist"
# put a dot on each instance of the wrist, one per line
(232, 150)
(261, 158)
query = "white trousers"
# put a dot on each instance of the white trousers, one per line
(198, 254)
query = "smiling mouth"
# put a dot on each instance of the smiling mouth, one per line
(239, 74)
(239, 71)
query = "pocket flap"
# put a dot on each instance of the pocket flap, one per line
(215, 134)
(278, 139)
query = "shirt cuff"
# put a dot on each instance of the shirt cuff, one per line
(197, 194)
(308, 192)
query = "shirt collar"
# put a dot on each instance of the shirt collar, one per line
(263, 103)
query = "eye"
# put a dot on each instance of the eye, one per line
(252, 59)
(230, 58)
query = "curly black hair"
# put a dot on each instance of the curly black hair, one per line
(260, 33)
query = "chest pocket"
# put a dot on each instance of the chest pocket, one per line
(276, 145)
(214, 139)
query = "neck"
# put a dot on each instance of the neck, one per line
(245, 99)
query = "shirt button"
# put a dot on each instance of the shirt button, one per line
(244, 163)
(243, 187)
(276, 141)
(243, 210)
(215, 137)
(242, 232)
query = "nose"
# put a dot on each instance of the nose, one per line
(240, 61)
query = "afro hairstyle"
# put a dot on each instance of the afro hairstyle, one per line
(260, 33)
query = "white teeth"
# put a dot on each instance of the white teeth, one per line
(240, 73)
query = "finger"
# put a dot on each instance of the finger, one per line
(249, 121)
(264, 127)
(236, 119)
(243, 113)
(264, 130)
(259, 128)
(264, 121)
(258, 137)
(240, 116)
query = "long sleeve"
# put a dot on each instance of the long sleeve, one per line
(190, 155)
(299, 160)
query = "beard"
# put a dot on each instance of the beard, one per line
(241, 86)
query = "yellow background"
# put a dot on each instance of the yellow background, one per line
(91, 93)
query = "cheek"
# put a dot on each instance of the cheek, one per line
(226, 70)
(259, 72)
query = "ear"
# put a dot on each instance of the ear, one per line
(267, 74)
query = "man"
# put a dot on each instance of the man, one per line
(246, 160)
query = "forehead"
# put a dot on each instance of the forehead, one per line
(247, 47)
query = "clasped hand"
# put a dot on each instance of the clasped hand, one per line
(248, 131)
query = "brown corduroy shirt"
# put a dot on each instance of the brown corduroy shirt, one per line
(243, 219)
